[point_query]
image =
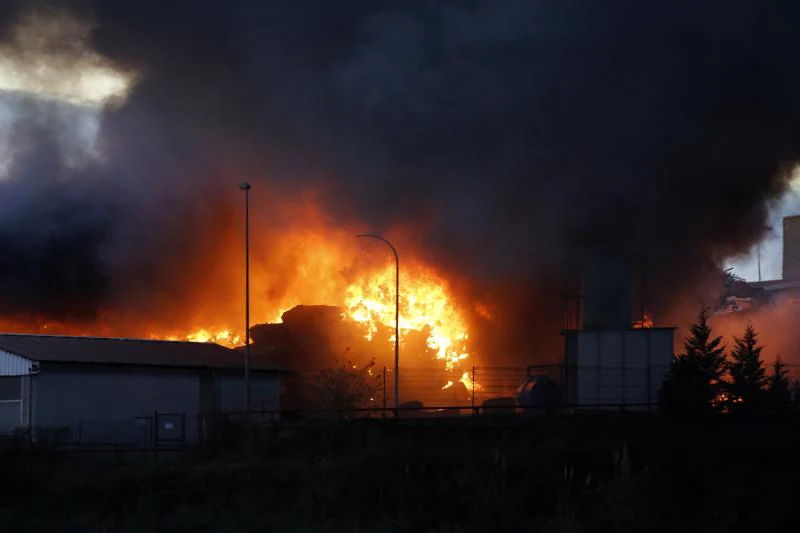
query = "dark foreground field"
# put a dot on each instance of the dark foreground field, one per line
(718, 475)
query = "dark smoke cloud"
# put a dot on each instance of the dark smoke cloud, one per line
(50, 231)
(516, 135)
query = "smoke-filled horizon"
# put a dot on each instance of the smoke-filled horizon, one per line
(507, 137)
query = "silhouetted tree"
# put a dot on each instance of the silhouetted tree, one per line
(694, 383)
(748, 375)
(347, 386)
(778, 386)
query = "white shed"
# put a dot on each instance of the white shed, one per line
(110, 390)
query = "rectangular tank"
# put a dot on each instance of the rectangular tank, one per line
(616, 367)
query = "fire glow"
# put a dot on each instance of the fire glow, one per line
(307, 264)
(426, 305)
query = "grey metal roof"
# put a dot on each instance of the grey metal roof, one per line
(100, 350)
(775, 284)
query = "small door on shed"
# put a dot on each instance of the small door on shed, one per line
(10, 416)
(10, 404)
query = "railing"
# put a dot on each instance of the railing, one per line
(161, 432)
(208, 423)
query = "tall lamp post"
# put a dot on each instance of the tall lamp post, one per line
(246, 188)
(396, 318)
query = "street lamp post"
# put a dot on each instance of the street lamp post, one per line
(396, 318)
(246, 188)
(758, 251)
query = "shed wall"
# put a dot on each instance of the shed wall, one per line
(11, 416)
(109, 404)
(264, 392)
(103, 403)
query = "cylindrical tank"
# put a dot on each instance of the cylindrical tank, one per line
(498, 406)
(538, 392)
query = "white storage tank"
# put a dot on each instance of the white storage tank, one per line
(616, 368)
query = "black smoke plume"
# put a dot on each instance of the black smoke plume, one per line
(513, 136)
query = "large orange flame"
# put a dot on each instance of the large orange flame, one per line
(312, 262)
(424, 305)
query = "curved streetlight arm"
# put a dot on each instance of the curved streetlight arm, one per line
(390, 245)
(396, 318)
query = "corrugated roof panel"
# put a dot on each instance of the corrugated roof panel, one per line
(14, 365)
(54, 348)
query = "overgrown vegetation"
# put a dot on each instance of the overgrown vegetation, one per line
(344, 386)
(604, 474)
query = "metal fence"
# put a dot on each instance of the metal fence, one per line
(158, 432)
(472, 387)
(474, 393)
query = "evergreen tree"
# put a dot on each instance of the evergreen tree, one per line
(748, 375)
(780, 396)
(694, 383)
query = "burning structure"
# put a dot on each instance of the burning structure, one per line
(786, 289)
(771, 306)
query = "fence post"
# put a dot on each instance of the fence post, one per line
(183, 431)
(384, 392)
(473, 390)
(155, 434)
(200, 425)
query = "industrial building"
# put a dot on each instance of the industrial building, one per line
(612, 357)
(787, 288)
(122, 390)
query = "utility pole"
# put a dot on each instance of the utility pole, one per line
(396, 318)
(246, 188)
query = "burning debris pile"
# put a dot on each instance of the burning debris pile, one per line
(316, 337)
(740, 296)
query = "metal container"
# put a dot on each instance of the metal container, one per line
(537, 393)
